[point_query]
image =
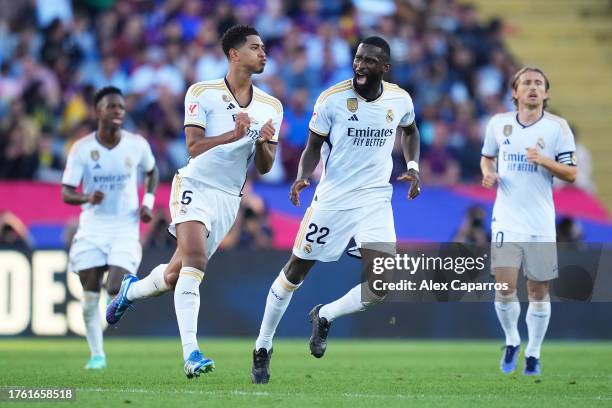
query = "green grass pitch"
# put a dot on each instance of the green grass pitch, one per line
(148, 372)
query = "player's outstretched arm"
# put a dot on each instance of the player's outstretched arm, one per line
(563, 171)
(197, 143)
(71, 196)
(265, 148)
(411, 146)
(308, 162)
(489, 174)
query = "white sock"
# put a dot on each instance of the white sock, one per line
(538, 316)
(347, 304)
(153, 285)
(279, 297)
(187, 307)
(93, 324)
(508, 310)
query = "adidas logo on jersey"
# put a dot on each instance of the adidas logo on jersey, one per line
(230, 106)
(507, 142)
(354, 118)
(97, 166)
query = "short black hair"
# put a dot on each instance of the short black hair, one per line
(107, 90)
(380, 43)
(235, 36)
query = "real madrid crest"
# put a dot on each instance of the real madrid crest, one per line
(352, 104)
(226, 98)
(308, 248)
(95, 155)
(507, 130)
(540, 143)
(128, 162)
(390, 115)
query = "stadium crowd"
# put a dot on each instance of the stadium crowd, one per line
(56, 54)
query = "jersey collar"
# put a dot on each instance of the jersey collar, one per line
(103, 145)
(516, 117)
(233, 96)
(382, 86)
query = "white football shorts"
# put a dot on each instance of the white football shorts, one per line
(90, 249)
(192, 200)
(325, 234)
(536, 255)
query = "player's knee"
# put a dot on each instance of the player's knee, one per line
(112, 288)
(296, 270)
(508, 289)
(90, 284)
(171, 277)
(195, 259)
(538, 294)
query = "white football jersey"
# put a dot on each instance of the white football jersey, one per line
(524, 202)
(112, 171)
(359, 137)
(211, 106)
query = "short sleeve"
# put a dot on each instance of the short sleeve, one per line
(565, 150)
(277, 123)
(195, 111)
(408, 118)
(73, 174)
(320, 122)
(147, 160)
(490, 147)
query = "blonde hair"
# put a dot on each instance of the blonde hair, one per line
(515, 79)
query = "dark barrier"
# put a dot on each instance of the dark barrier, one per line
(37, 298)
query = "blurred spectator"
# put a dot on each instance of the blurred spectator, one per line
(468, 155)
(53, 54)
(473, 229)
(13, 231)
(438, 167)
(157, 237)
(296, 119)
(568, 230)
(251, 229)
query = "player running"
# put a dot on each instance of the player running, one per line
(353, 129)
(228, 123)
(522, 152)
(105, 163)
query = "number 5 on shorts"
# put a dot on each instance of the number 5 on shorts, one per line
(186, 198)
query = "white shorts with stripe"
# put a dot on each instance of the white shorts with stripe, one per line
(192, 200)
(325, 234)
(536, 255)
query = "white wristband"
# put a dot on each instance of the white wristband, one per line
(412, 165)
(148, 200)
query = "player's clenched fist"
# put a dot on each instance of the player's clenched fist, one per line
(96, 197)
(490, 179)
(294, 194)
(267, 132)
(243, 122)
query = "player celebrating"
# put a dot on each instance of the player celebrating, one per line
(227, 122)
(105, 163)
(528, 147)
(353, 128)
